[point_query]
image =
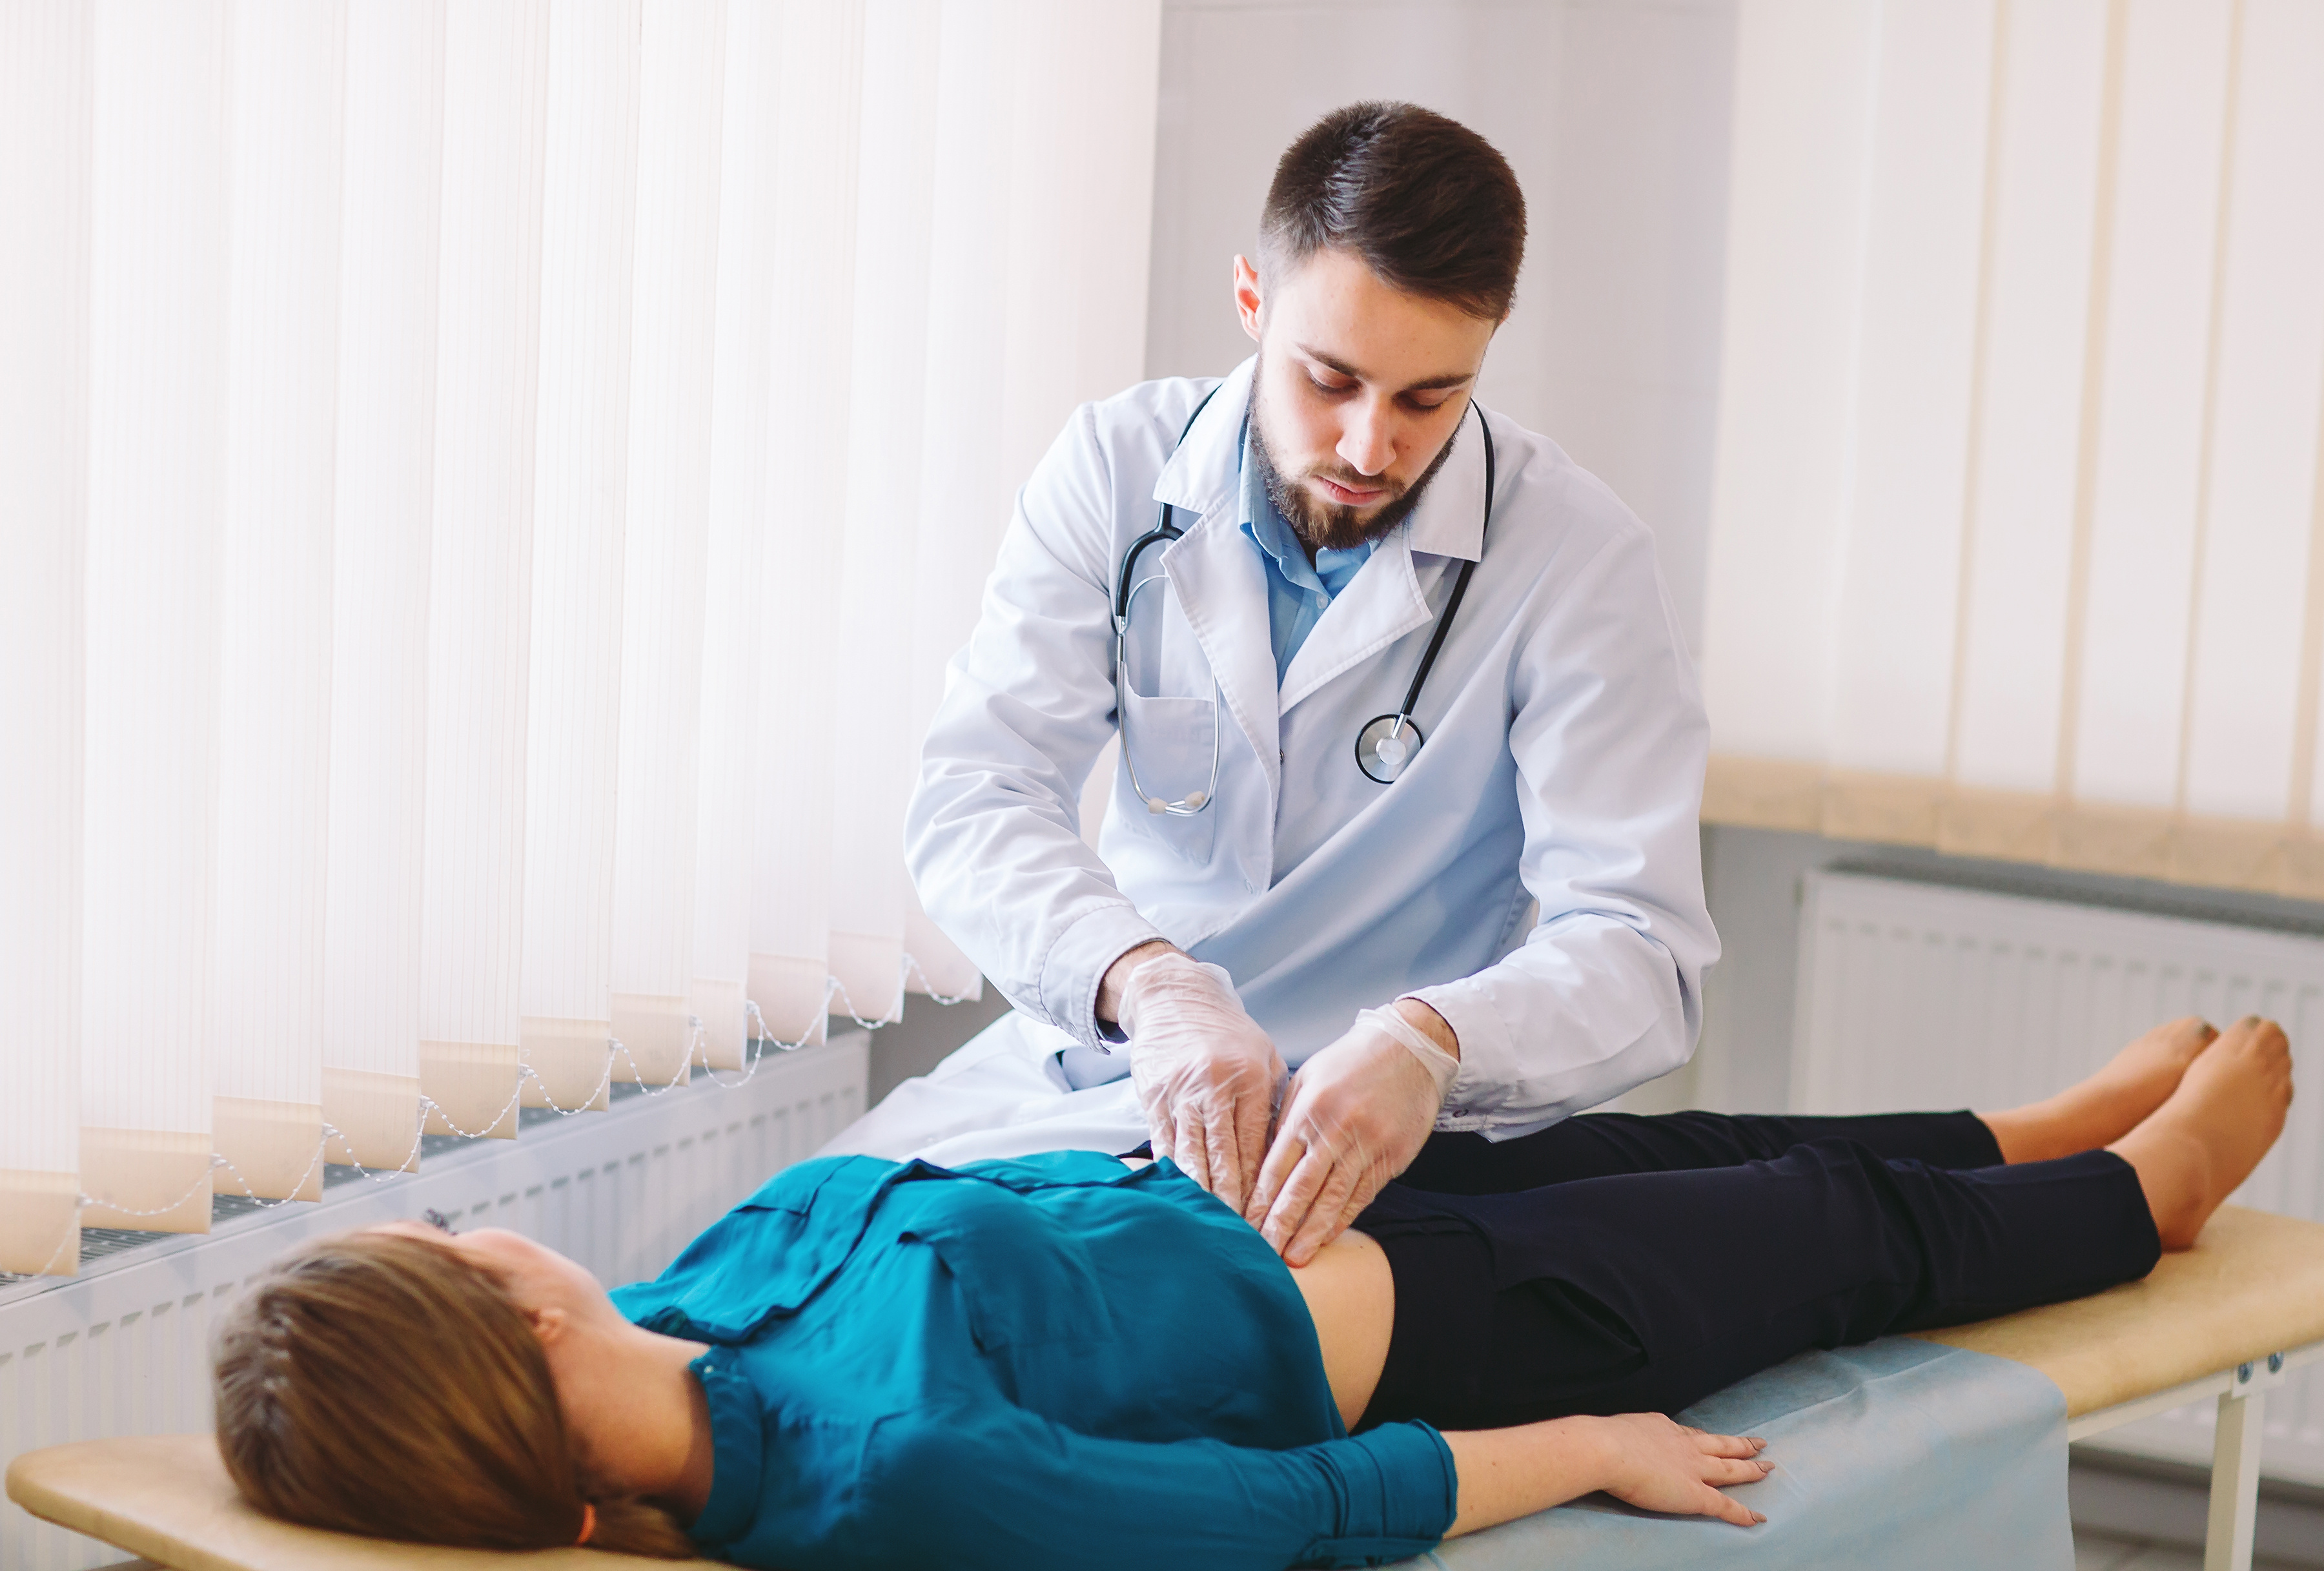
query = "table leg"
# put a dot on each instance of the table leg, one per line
(2235, 1481)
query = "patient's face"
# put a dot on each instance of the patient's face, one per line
(538, 1277)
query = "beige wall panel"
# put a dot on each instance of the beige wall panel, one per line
(1763, 793)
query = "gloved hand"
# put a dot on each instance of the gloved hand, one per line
(1206, 1075)
(1358, 1112)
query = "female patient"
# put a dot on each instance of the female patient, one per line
(1066, 1361)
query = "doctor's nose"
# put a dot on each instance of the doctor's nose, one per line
(1368, 442)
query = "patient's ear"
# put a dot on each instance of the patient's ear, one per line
(550, 1323)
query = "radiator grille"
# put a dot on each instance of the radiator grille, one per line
(122, 1349)
(1915, 996)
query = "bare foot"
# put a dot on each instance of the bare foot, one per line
(2205, 1141)
(2107, 1105)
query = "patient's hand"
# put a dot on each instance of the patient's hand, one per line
(1659, 1465)
(1643, 1458)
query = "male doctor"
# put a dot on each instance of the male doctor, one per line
(1473, 909)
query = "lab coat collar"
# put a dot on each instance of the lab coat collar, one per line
(1389, 596)
(1384, 601)
(1221, 583)
(1204, 471)
(1450, 521)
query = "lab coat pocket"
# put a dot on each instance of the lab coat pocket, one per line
(1170, 748)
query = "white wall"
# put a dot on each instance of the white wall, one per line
(1614, 114)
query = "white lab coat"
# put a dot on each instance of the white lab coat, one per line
(1534, 874)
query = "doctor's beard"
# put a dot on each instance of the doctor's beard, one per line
(1322, 526)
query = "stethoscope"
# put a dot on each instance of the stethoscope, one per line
(1386, 745)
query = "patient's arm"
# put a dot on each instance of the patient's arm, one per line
(1643, 1458)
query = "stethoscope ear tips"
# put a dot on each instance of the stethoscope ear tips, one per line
(1157, 805)
(1195, 801)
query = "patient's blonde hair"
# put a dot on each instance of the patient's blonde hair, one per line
(385, 1385)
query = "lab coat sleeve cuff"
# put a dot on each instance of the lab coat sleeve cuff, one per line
(1077, 962)
(1489, 1059)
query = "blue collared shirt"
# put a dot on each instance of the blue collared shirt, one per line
(1036, 1366)
(1296, 590)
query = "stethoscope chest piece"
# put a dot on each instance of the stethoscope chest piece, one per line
(1386, 746)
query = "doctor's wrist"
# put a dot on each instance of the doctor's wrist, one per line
(1430, 1024)
(1113, 987)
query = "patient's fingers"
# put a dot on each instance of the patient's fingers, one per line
(1727, 1508)
(1727, 1444)
(1733, 1470)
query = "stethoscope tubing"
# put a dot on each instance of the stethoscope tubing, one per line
(1164, 531)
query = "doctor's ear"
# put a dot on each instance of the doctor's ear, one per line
(1249, 305)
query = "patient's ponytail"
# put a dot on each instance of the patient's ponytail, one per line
(385, 1385)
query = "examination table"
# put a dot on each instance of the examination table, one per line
(1857, 1436)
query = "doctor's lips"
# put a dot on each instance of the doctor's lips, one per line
(1345, 495)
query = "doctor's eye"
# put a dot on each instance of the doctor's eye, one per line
(1334, 388)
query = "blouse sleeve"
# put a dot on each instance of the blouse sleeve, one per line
(1006, 1488)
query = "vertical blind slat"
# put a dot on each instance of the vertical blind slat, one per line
(157, 384)
(872, 754)
(807, 491)
(680, 103)
(45, 133)
(488, 302)
(2259, 510)
(725, 859)
(380, 554)
(1802, 104)
(2037, 315)
(2151, 398)
(965, 494)
(274, 665)
(1913, 363)
(580, 489)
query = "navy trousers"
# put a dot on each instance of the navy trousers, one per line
(1616, 1263)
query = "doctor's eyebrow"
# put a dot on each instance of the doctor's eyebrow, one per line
(1426, 384)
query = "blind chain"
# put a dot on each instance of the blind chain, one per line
(761, 1035)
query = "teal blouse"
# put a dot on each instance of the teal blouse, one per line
(1051, 1361)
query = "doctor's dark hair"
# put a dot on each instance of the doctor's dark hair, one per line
(1430, 205)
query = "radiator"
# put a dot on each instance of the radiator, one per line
(1915, 995)
(121, 1348)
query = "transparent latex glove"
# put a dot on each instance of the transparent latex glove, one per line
(1356, 1114)
(1207, 1077)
